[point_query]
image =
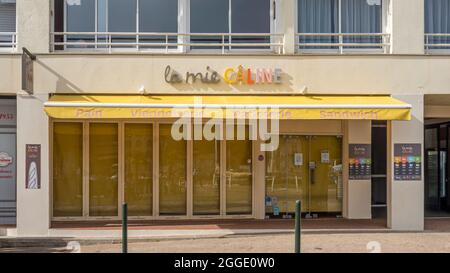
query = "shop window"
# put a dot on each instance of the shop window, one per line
(437, 22)
(172, 173)
(206, 177)
(139, 169)
(230, 16)
(238, 173)
(339, 16)
(103, 169)
(67, 169)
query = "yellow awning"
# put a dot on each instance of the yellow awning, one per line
(233, 106)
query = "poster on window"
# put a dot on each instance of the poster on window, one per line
(360, 162)
(33, 166)
(407, 162)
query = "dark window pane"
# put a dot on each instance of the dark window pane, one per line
(122, 16)
(81, 16)
(250, 16)
(209, 16)
(158, 15)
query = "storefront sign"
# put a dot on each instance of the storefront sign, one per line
(33, 166)
(238, 75)
(360, 162)
(407, 162)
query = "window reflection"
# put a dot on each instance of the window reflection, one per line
(103, 169)
(239, 175)
(206, 177)
(172, 173)
(67, 169)
(139, 169)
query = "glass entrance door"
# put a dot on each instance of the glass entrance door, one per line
(307, 168)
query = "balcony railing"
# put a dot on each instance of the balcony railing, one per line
(437, 42)
(224, 43)
(8, 41)
(343, 43)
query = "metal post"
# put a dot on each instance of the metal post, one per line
(298, 217)
(124, 228)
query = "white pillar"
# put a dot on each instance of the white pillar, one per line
(259, 165)
(406, 198)
(33, 205)
(406, 24)
(359, 192)
(33, 25)
(286, 23)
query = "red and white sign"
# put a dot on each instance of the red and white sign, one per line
(5, 159)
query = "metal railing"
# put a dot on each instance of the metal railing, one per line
(167, 42)
(437, 42)
(343, 42)
(8, 41)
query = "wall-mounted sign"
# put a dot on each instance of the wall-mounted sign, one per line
(33, 166)
(324, 156)
(407, 162)
(238, 75)
(298, 159)
(360, 162)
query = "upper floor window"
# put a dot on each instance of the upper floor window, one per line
(340, 24)
(177, 25)
(242, 19)
(437, 24)
(120, 19)
(7, 24)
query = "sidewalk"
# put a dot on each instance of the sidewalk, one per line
(87, 233)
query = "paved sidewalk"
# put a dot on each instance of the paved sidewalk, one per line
(90, 234)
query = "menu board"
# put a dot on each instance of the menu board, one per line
(360, 162)
(407, 162)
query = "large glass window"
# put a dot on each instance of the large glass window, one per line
(339, 16)
(206, 177)
(437, 13)
(239, 174)
(103, 169)
(139, 169)
(67, 169)
(172, 173)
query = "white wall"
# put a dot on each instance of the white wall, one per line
(33, 206)
(359, 192)
(406, 23)
(406, 198)
(33, 25)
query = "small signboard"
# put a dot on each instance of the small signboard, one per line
(360, 162)
(27, 72)
(407, 162)
(33, 166)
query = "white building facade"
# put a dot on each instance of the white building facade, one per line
(362, 84)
